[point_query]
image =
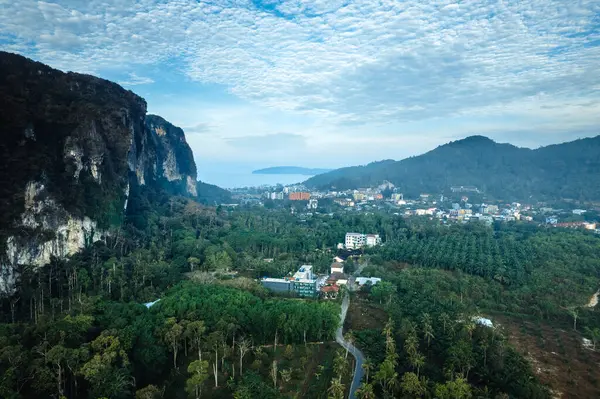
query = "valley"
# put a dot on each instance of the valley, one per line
(122, 276)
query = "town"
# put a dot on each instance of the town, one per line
(462, 204)
(304, 283)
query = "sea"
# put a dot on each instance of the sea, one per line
(238, 179)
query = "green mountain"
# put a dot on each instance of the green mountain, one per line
(569, 170)
(290, 170)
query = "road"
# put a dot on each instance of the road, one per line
(358, 355)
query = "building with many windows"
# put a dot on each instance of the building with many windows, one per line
(302, 283)
(355, 240)
(358, 240)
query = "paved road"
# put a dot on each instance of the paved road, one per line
(360, 358)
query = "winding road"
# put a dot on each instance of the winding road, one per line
(358, 355)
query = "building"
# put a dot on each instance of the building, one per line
(337, 267)
(359, 196)
(355, 240)
(464, 189)
(397, 197)
(373, 240)
(299, 196)
(280, 285)
(312, 203)
(337, 279)
(329, 291)
(578, 212)
(551, 220)
(302, 283)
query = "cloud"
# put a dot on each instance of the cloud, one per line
(345, 64)
(199, 128)
(278, 142)
(135, 80)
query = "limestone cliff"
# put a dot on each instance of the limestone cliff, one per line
(175, 160)
(71, 147)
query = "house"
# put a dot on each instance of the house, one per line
(551, 220)
(337, 259)
(578, 212)
(337, 279)
(337, 267)
(312, 203)
(329, 291)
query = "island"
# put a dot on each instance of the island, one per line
(290, 170)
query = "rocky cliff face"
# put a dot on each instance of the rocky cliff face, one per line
(71, 147)
(175, 160)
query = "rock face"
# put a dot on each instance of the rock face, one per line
(175, 160)
(71, 147)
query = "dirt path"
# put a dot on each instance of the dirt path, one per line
(360, 358)
(593, 300)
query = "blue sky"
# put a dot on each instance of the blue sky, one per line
(329, 83)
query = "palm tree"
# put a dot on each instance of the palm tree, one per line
(367, 366)
(336, 390)
(365, 391)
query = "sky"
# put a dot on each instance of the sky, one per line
(330, 83)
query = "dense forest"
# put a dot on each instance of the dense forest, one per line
(500, 170)
(79, 327)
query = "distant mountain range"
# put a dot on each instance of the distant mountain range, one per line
(563, 171)
(290, 170)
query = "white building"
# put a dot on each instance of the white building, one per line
(312, 203)
(337, 268)
(578, 211)
(355, 240)
(358, 240)
(304, 273)
(373, 240)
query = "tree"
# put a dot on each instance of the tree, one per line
(273, 373)
(367, 366)
(193, 262)
(149, 392)
(172, 337)
(457, 389)
(349, 338)
(365, 391)
(575, 315)
(106, 370)
(417, 360)
(336, 389)
(413, 386)
(427, 328)
(243, 347)
(198, 370)
(195, 331)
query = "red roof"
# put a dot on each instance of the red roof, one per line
(330, 288)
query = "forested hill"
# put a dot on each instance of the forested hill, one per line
(566, 170)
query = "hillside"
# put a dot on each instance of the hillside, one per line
(290, 170)
(500, 170)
